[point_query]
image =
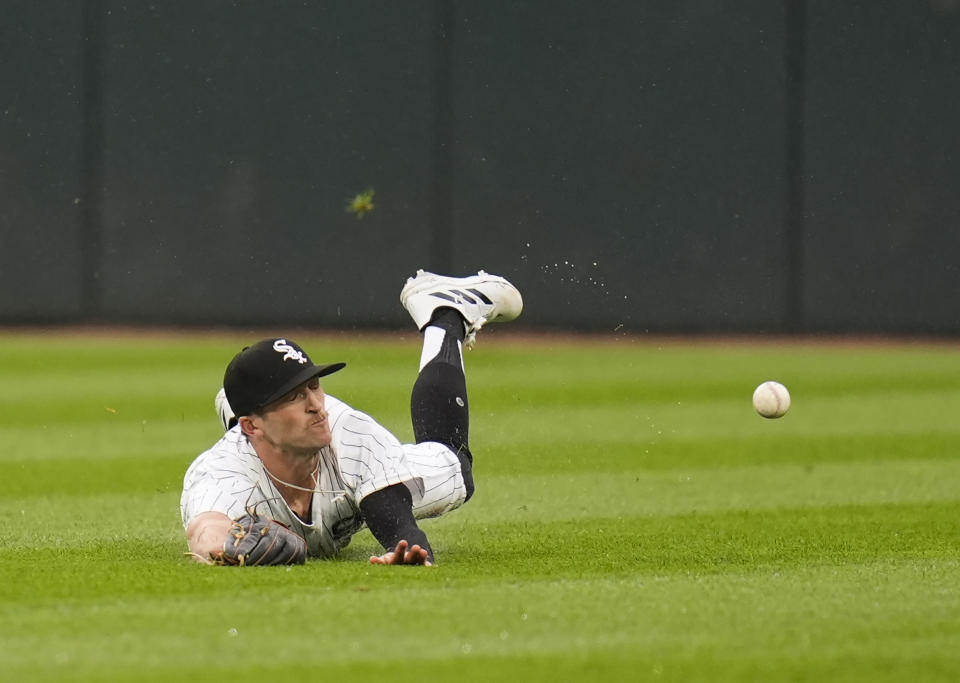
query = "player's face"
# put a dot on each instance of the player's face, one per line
(298, 420)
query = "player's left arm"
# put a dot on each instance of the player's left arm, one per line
(388, 514)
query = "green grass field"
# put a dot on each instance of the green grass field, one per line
(634, 519)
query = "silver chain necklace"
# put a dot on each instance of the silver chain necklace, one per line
(315, 476)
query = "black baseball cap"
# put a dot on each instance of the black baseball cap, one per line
(265, 371)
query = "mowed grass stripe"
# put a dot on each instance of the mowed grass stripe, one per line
(901, 412)
(49, 490)
(125, 445)
(738, 540)
(139, 462)
(559, 456)
(677, 491)
(721, 541)
(37, 525)
(679, 625)
(598, 373)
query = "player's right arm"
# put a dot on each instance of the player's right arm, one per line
(207, 534)
(246, 541)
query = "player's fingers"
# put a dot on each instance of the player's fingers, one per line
(416, 555)
(395, 556)
(401, 555)
(400, 552)
(386, 558)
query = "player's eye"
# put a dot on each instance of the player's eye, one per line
(301, 393)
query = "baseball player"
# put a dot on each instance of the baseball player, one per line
(298, 472)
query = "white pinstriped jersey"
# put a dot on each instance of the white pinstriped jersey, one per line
(362, 457)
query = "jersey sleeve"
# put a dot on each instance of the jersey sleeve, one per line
(215, 484)
(370, 457)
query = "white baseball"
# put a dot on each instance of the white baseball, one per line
(771, 399)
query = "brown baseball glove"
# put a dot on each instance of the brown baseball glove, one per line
(255, 540)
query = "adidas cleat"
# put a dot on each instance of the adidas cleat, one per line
(479, 299)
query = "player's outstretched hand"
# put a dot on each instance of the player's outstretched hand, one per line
(402, 555)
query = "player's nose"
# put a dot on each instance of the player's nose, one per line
(315, 401)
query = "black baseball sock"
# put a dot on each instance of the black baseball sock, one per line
(451, 322)
(438, 403)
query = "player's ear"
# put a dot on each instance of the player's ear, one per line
(248, 426)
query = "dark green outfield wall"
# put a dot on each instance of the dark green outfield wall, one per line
(692, 165)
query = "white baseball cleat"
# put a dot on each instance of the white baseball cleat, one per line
(479, 299)
(224, 410)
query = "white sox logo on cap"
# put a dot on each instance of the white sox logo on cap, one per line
(290, 353)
